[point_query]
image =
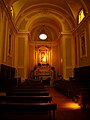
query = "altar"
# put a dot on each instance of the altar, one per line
(44, 73)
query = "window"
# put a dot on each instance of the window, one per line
(81, 16)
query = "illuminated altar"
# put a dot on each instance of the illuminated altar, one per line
(42, 55)
(44, 72)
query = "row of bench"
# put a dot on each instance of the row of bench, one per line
(78, 92)
(25, 99)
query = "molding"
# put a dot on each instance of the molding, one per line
(8, 14)
(66, 33)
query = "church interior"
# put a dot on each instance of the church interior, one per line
(44, 59)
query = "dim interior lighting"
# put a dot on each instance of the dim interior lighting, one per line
(43, 35)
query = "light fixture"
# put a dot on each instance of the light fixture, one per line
(43, 35)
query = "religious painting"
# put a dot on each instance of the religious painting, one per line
(83, 47)
(43, 56)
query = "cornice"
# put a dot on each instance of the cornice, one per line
(7, 11)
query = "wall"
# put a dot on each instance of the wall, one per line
(22, 55)
(67, 55)
(1, 27)
(54, 57)
(83, 29)
(31, 57)
(7, 37)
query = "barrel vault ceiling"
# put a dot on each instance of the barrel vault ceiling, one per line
(57, 16)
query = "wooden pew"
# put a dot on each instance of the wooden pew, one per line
(27, 99)
(27, 87)
(16, 108)
(26, 90)
(31, 83)
(77, 91)
(27, 93)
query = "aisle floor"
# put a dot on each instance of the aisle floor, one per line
(66, 108)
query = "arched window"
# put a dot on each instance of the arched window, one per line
(81, 15)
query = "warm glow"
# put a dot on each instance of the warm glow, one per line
(43, 36)
(72, 105)
(42, 55)
(81, 16)
(44, 59)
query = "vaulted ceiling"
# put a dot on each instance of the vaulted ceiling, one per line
(58, 16)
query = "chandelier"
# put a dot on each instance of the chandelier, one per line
(43, 35)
